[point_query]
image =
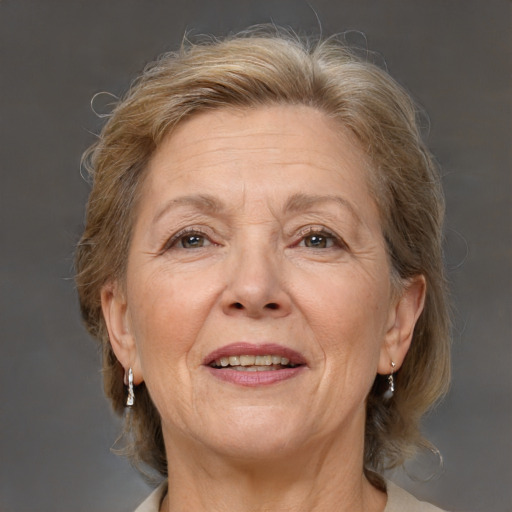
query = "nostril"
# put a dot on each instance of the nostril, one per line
(270, 306)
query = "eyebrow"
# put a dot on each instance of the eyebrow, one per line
(201, 202)
(300, 202)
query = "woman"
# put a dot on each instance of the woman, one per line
(262, 265)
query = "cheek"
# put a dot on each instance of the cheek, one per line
(349, 321)
(168, 312)
(352, 338)
(155, 323)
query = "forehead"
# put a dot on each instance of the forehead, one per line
(281, 134)
(266, 151)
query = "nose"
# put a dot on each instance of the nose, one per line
(254, 286)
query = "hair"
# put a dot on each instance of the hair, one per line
(260, 67)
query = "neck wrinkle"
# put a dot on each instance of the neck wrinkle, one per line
(313, 480)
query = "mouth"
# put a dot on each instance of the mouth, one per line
(251, 365)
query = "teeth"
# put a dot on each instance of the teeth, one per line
(247, 360)
(234, 360)
(263, 360)
(253, 363)
(254, 368)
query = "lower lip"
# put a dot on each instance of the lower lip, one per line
(253, 379)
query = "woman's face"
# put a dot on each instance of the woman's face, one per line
(257, 241)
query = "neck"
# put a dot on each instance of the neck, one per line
(325, 477)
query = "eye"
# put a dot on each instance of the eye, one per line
(320, 239)
(188, 239)
(193, 241)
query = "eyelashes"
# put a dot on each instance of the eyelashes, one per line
(320, 238)
(316, 238)
(188, 239)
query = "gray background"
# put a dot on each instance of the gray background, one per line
(56, 428)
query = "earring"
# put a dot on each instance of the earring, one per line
(391, 384)
(131, 396)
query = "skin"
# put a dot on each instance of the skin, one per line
(287, 249)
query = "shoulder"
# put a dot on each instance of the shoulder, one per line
(401, 501)
(153, 501)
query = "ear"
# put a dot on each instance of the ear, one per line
(115, 312)
(402, 318)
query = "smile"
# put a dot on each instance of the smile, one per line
(250, 363)
(254, 365)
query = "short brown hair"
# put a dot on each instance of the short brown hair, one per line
(262, 67)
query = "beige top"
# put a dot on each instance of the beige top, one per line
(398, 501)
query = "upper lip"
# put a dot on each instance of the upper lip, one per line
(254, 349)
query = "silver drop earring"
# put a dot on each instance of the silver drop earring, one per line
(391, 384)
(131, 397)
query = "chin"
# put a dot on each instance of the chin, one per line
(255, 432)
